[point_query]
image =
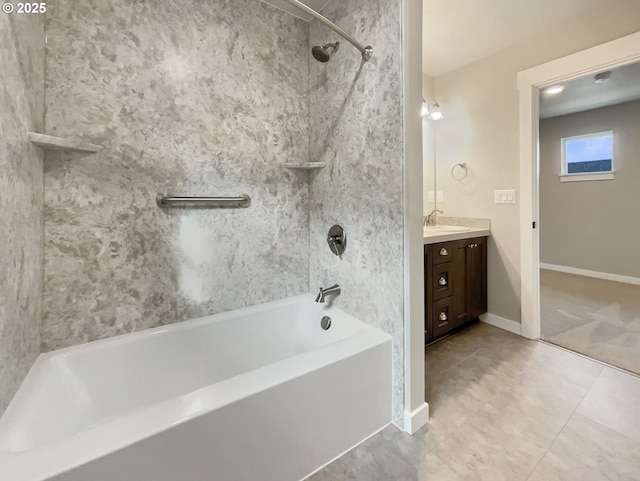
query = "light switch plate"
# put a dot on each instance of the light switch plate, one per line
(431, 197)
(505, 196)
(439, 197)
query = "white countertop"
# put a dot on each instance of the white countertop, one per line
(435, 236)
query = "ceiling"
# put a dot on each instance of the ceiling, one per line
(584, 94)
(458, 32)
(317, 5)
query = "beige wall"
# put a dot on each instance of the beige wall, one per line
(428, 86)
(480, 104)
(592, 225)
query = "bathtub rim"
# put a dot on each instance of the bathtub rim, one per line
(115, 433)
(183, 325)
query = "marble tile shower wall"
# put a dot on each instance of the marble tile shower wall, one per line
(192, 98)
(21, 197)
(356, 119)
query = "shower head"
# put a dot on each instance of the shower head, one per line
(322, 54)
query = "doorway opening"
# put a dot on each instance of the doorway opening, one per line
(608, 56)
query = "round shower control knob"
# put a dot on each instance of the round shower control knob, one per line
(337, 240)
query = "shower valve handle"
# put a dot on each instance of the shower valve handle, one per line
(337, 240)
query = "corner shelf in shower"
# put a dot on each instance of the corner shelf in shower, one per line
(304, 165)
(49, 142)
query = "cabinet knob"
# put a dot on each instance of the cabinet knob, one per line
(442, 281)
(442, 316)
(444, 252)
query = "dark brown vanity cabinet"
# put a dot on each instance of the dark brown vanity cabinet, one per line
(455, 284)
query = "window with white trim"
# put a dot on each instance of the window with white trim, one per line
(587, 157)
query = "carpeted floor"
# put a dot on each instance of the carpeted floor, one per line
(597, 318)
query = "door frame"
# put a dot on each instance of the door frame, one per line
(416, 410)
(623, 51)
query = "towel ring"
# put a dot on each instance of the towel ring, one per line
(463, 166)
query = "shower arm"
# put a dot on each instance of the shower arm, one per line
(367, 51)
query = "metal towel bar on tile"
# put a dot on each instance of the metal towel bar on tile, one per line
(165, 201)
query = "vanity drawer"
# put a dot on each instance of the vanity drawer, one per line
(442, 281)
(442, 317)
(442, 252)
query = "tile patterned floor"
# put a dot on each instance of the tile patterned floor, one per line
(504, 408)
(598, 318)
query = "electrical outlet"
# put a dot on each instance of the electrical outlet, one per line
(431, 197)
(505, 196)
(439, 197)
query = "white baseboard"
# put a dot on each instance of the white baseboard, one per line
(502, 323)
(416, 419)
(598, 275)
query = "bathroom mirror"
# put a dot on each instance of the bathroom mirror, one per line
(428, 164)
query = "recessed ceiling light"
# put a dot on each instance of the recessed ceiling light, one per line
(554, 90)
(602, 77)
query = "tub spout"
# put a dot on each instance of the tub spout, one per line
(334, 289)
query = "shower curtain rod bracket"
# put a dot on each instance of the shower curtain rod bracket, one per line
(367, 53)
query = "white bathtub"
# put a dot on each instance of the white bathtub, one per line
(261, 393)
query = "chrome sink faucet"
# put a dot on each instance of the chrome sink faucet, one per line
(431, 218)
(334, 289)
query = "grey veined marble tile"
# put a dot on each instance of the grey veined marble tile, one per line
(188, 98)
(211, 98)
(21, 198)
(355, 110)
